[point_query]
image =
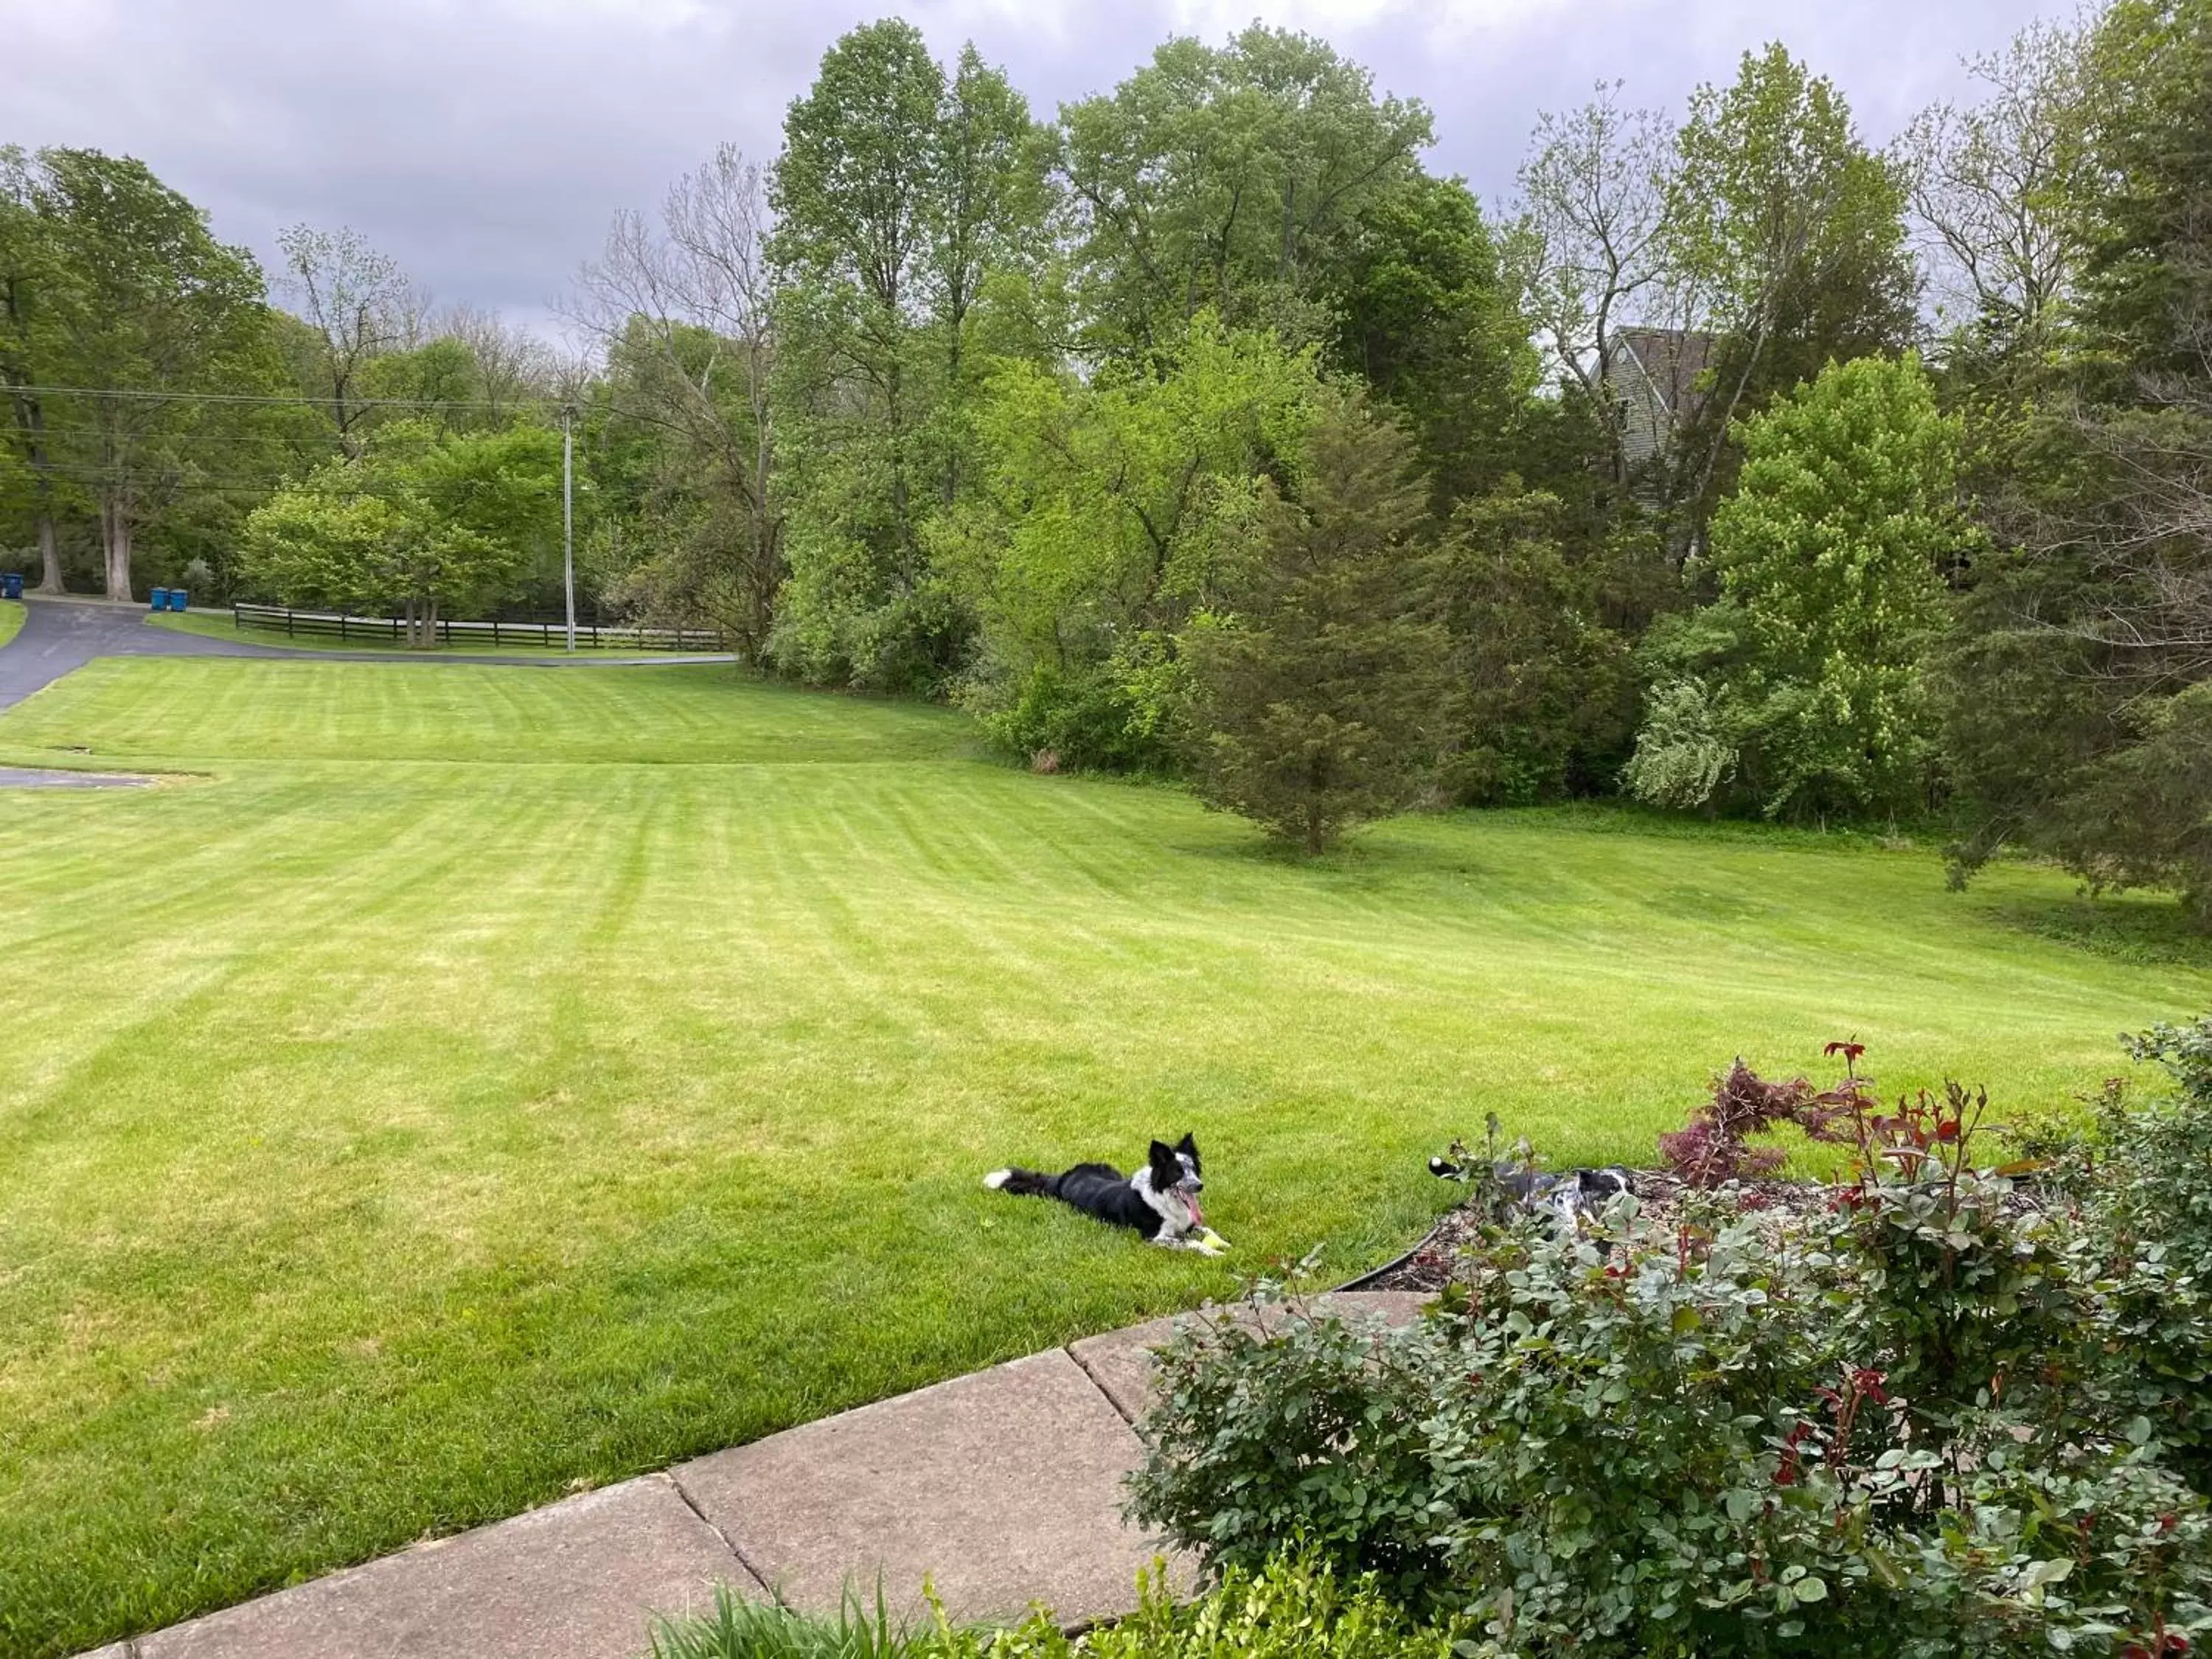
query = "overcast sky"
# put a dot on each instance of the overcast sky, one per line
(485, 143)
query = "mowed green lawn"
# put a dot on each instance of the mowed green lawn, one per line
(478, 1083)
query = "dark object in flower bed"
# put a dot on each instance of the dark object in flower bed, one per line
(1569, 1193)
(1428, 1267)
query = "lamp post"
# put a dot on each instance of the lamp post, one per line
(568, 519)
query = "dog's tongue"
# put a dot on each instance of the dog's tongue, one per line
(1197, 1215)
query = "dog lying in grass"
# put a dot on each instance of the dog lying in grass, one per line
(1569, 1195)
(1159, 1201)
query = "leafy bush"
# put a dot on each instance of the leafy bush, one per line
(1078, 719)
(1930, 1419)
(2150, 1208)
(1294, 1426)
(1293, 1606)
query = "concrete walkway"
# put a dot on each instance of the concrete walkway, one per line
(61, 635)
(1003, 1487)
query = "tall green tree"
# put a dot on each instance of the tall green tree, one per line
(1225, 179)
(1785, 237)
(2076, 712)
(900, 189)
(1315, 685)
(150, 309)
(1421, 309)
(2147, 275)
(31, 276)
(1800, 691)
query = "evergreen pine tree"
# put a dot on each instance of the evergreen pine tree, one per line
(1315, 691)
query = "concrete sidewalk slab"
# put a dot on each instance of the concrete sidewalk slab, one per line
(1003, 1487)
(1120, 1362)
(579, 1579)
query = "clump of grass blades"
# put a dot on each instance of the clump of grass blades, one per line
(739, 1629)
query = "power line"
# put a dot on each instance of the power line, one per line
(363, 404)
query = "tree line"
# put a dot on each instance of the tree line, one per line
(1735, 464)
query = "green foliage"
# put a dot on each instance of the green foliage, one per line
(1542, 695)
(2152, 1226)
(901, 193)
(1803, 680)
(1788, 228)
(2147, 275)
(110, 280)
(1085, 719)
(741, 1628)
(1314, 685)
(1226, 178)
(1293, 1606)
(419, 522)
(2075, 716)
(1425, 316)
(1099, 527)
(1921, 1424)
(1293, 1424)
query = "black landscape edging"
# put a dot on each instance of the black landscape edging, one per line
(1392, 1266)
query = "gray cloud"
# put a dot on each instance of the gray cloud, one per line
(485, 145)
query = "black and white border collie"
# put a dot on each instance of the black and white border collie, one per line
(1159, 1201)
(1568, 1194)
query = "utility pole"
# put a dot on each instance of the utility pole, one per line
(568, 518)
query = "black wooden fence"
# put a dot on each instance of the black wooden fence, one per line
(337, 625)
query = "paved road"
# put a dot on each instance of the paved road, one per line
(35, 777)
(61, 635)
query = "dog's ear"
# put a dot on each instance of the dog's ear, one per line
(1188, 1146)
(1162, 1158)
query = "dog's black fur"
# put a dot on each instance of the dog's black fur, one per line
(1159, 1201)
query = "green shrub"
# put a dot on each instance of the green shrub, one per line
(2149, 1204)
(1293, 1606)
(1938, 1418)
(1299, 1427)
(1084, 720)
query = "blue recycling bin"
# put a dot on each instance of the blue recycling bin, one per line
(161, 599)
(12, 585)
(177, 597)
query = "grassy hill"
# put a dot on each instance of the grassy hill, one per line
(468, 1082)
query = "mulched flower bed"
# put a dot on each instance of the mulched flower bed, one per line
(1659, 1204)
